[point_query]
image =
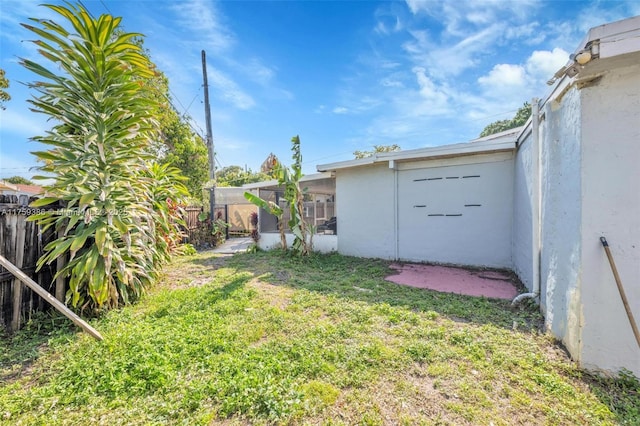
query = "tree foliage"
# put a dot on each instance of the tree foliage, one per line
(183, 149)
(177, 144)
(237, 176)
(521, 117)
(19, 180)
(4, 84)
(119, 220)
(377, 149)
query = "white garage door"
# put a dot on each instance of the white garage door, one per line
(456, 214)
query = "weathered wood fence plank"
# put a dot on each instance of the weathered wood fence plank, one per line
(21, 243)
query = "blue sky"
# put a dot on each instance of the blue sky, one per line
(343, 75)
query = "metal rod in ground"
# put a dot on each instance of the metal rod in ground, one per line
(49, 298)
(627, 308)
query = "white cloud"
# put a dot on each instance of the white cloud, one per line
(340, 110)
(462, 17)
(25, 123)
(504, 77)
(429, 91)
(387, 23)
(391, 82)
(260, 72)
(230, 91)
(202, 17)
(444, 60)
(542, 64)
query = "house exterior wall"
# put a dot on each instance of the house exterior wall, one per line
(521, 244)
(611, 208)
(456, 210)
(590, 188)
(561, 263)
(365, 211)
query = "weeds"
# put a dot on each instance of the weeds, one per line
(265, 339)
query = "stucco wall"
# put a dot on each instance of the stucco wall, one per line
(321, 243)
(561, 216)
(611, 208)
(521, 244)
(457, 210)
(365, 211)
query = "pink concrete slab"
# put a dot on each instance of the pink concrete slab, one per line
(492, 284)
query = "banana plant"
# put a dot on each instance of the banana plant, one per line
(290, 180)
(294, 196)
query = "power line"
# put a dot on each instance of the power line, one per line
(87, 9)
(105, 6)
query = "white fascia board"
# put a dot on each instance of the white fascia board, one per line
(345, 164)
(316, 176)
(258, 185)
(454, 150)
(274, 183)
(616, 38)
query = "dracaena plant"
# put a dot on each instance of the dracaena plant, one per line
(111, 226)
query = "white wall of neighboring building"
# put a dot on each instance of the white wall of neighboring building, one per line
(321, 243)
(365, 211)
(610, 193)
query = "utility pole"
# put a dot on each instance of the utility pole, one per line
(212, 155)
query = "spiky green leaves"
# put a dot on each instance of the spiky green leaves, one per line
(116, 225)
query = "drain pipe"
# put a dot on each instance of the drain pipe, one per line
(536, 203)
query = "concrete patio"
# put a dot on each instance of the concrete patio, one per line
(466, 281)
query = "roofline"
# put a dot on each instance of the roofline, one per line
(8, 186)
(477, 146)
(274, 182)
(606, 41)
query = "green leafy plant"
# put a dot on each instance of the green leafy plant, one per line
(219, 230)
(188, 250)
(119, 221)
(290, 180)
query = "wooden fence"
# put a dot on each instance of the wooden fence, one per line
(21, 242)
(191, 214)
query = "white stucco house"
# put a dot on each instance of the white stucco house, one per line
(535, 200)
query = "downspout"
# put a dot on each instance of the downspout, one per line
(536, 204)
(392, 165)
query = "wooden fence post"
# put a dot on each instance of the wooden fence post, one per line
(60, 281)
(17, 285)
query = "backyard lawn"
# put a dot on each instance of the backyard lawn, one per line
(265, 338)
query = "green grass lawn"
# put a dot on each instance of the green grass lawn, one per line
(268, 339)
